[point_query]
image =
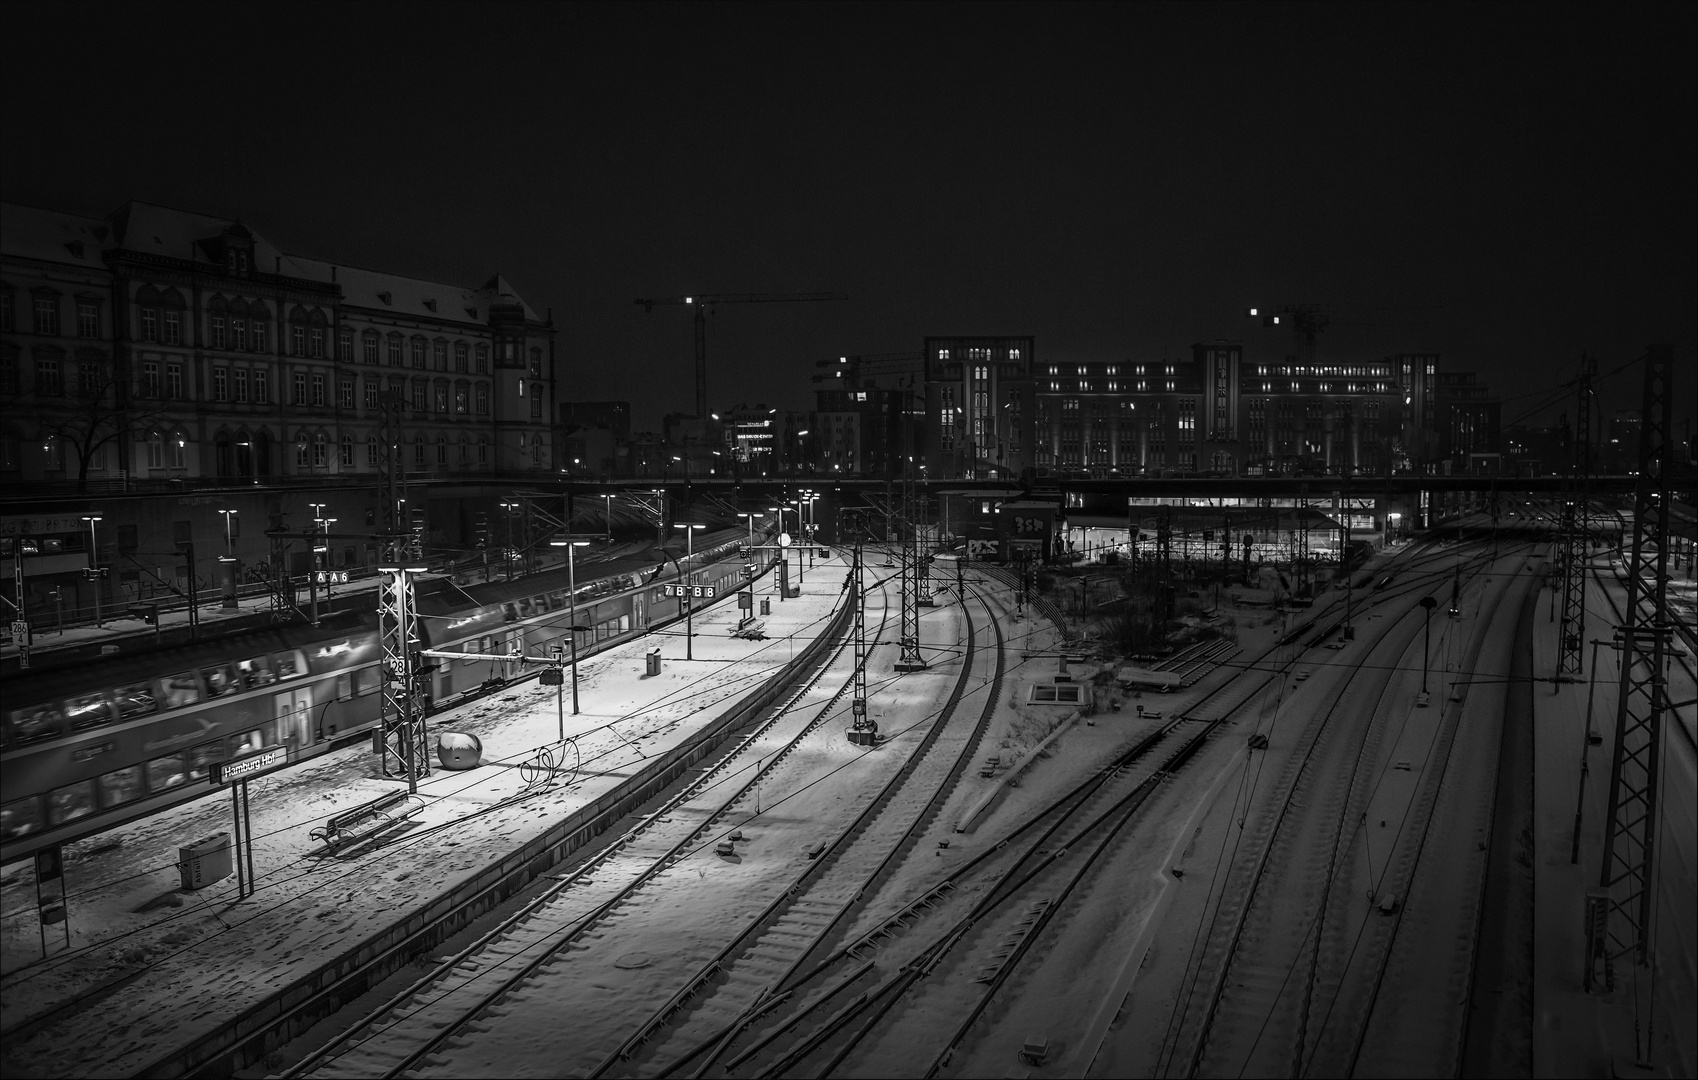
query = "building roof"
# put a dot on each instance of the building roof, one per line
(29, 232)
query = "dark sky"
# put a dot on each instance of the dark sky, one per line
(1507, 186)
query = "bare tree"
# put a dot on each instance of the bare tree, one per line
(84, 412)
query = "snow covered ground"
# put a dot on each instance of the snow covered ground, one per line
(151, 965)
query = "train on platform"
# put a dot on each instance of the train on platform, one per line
(87, 748)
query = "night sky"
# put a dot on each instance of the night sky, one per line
(1507, 186)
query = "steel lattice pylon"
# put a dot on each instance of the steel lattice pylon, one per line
(863, 730)
(402, 728)
(909, 637)
(1571, 634)
(404, 750)
(1624, 893)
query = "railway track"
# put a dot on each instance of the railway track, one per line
(751, 972)
(1272, 966)
(445, 1011)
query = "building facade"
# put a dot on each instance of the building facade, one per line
(201, 353)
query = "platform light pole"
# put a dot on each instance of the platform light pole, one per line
(572, 610)
(751, 515)
(93, 564)
(685, 585)
(229, 561)
(608, 517)
(1427, 604)
(508, 509)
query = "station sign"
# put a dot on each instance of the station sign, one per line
(250, 765)
(332, 577)
(708, 591)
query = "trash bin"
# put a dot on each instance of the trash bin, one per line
(766, 605)
(654, 661)
(205, 861)
(457, 750)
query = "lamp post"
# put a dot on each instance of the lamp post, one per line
(572, 610)
(685, 585)
(229, 561)
(609, 517)
(312, 561)
(508, 509)
(93, 565)
(1428, 604)
(751, 515)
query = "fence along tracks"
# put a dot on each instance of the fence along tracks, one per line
(419, 1021)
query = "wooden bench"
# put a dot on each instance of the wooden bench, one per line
(364, 821)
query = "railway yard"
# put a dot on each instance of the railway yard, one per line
(1346, 843)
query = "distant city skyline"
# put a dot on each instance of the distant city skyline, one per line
(1115, 195)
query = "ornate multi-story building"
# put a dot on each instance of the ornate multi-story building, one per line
(163, 345)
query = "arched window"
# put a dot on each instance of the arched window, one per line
(53, 453)
(178, 446)
(371, 451)
(302, 451)
(462, 392)
(465, 450)
(418, 449)
(320, 450)
(171, 317)
(298, 332)
(347, 451)
(155, 450)
(259, 317)
(442, 450)
(483, 450)
(222, 456)
(244, 453)
(536, 363)
(147, 307)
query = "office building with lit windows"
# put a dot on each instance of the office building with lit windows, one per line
(993, 409)
(157, 345)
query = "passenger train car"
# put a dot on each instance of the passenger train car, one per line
(87, 748)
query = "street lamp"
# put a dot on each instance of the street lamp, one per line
(685, 585)
(1427, 603)
(572, 616)
(751, 515)
(509, 509)
(93, 565)
(609, 517)
(229, 561)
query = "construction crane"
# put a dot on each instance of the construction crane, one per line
(1306, 322)
(703, 303)
(853, 369)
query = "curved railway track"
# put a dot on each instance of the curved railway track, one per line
(409, 1032)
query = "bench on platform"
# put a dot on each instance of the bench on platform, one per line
(750, 630)
(364, 821)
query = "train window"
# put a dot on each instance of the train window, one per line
(33, 724)
(624, 623)
(165, 773)
(256, 672)
(557, 599)
(221, 680)
(120, 786)
(135, 700)
(509, 612)
(365, 681)
(180, 689)
(202, 757)
(345, 687)
(526, 610)
(70, 802)
(291, 664)
(249, 741)
(21, 818)
(88, 711)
